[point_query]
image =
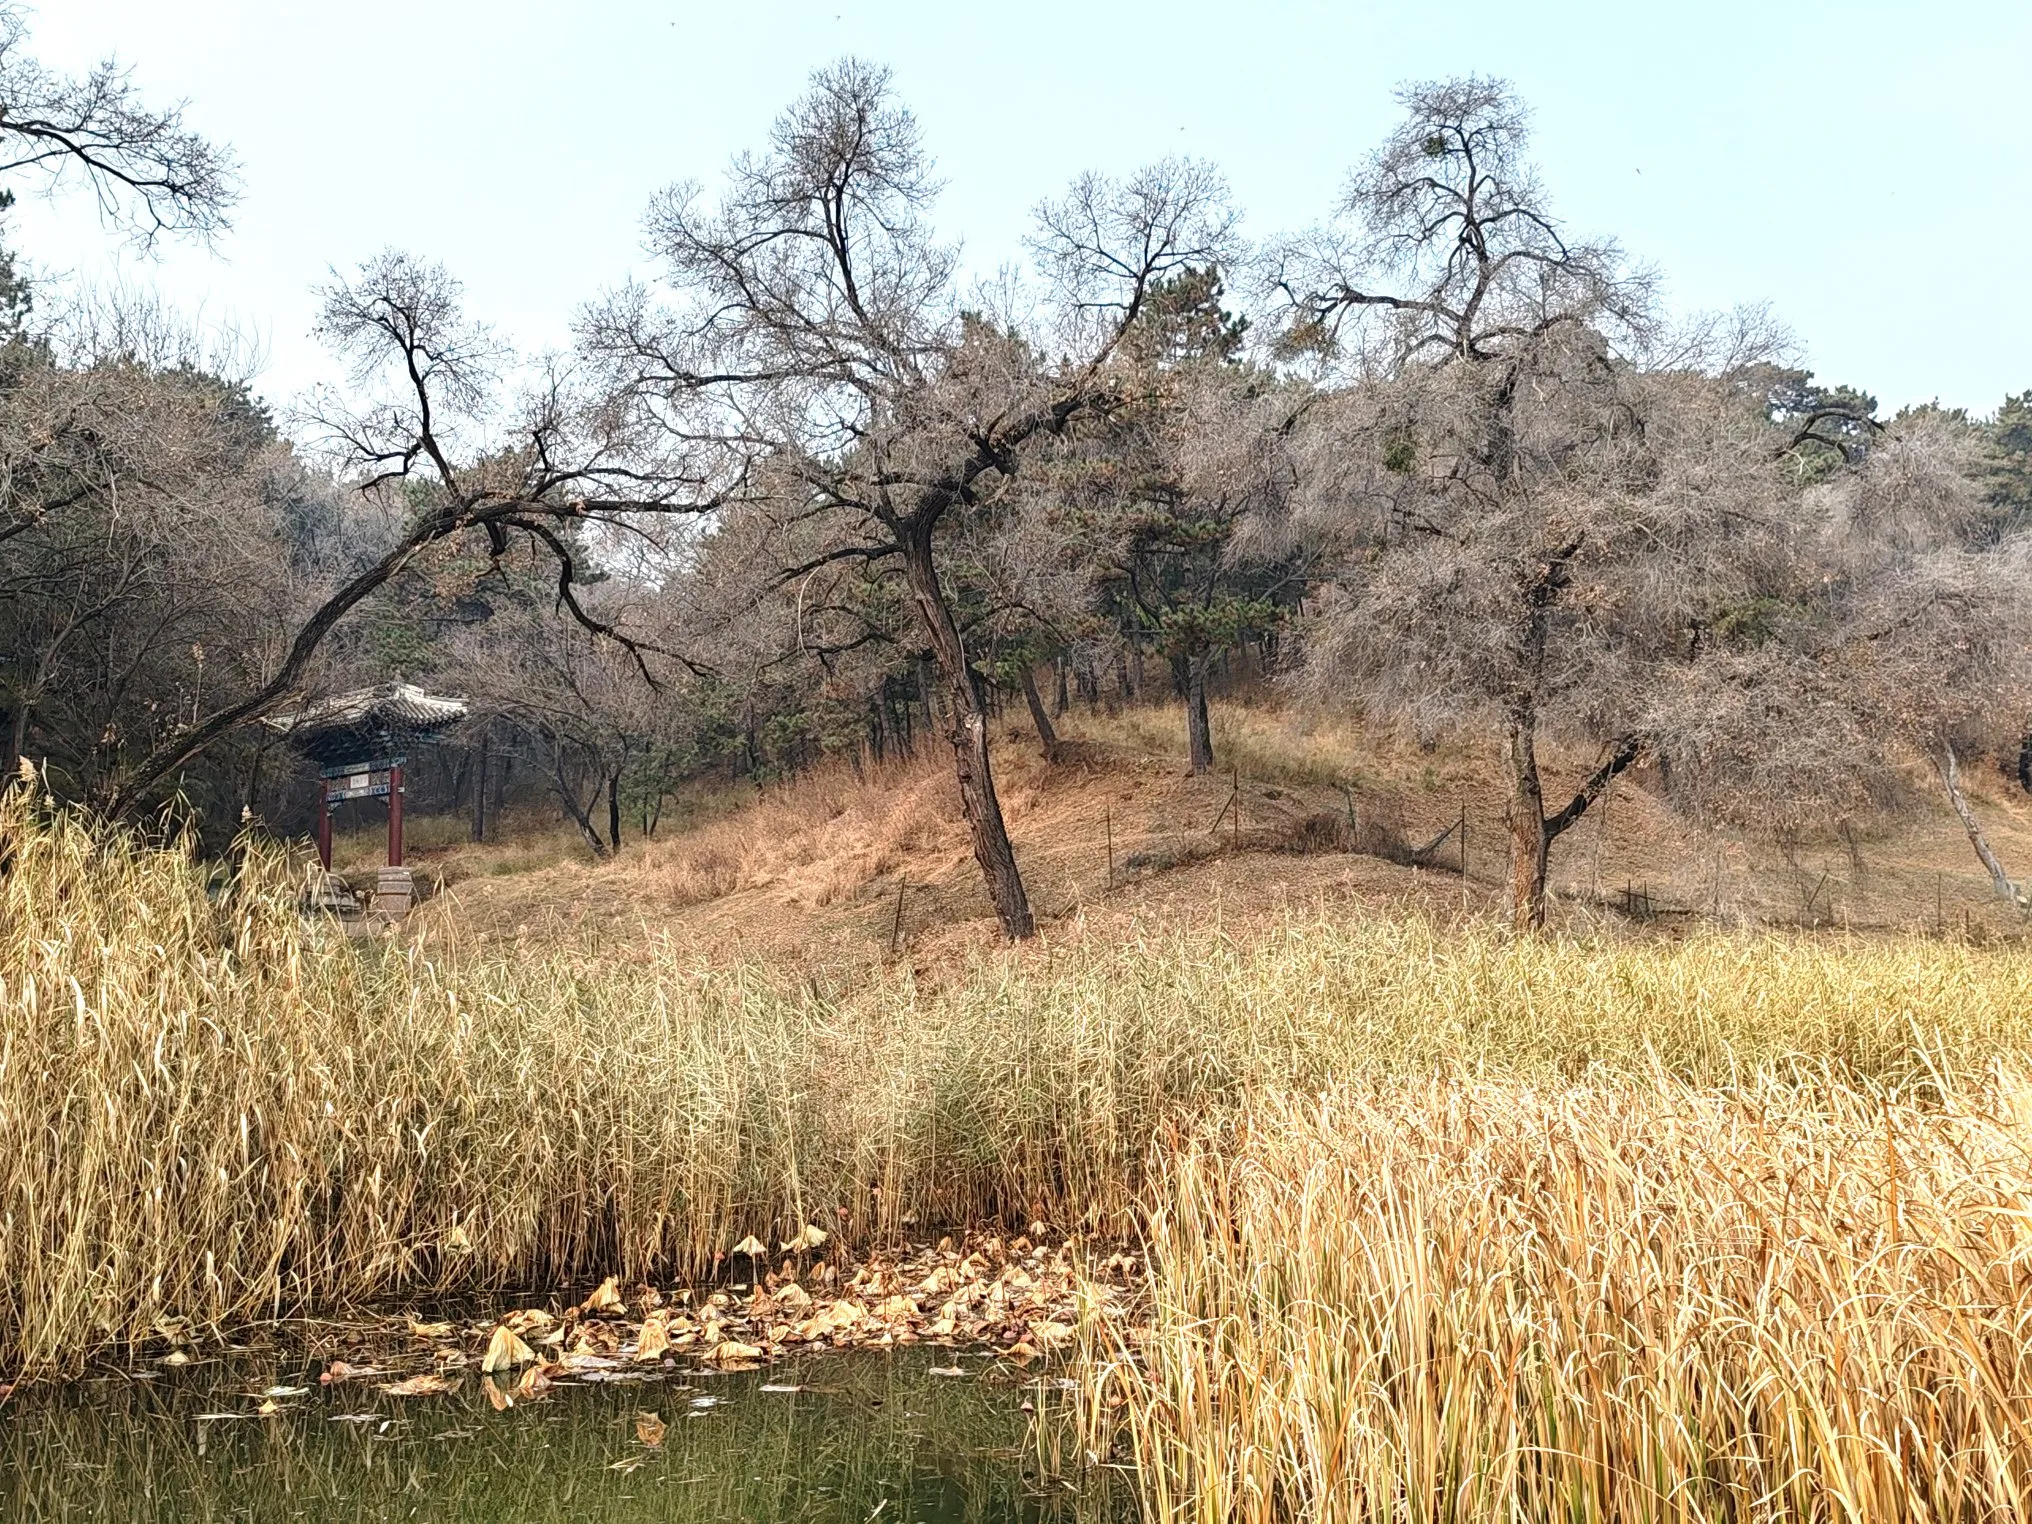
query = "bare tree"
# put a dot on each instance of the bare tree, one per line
(149, 173)
(424, 435)
(1560, 521)
(1492, 429)
(817, 316)
(145, 559)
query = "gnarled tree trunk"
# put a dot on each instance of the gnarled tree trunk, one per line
(1047, 733)
(2000, 881)
(1532, 831)
(969, 737)
(1530, 844)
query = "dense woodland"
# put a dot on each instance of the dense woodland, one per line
(1441, 459)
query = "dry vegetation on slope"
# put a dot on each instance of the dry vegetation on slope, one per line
(810, 872)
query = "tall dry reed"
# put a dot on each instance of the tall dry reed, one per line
(1801, 1298)
(212, 1109)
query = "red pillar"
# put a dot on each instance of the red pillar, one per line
(395, 816)
(324, 824)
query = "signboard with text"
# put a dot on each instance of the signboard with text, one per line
(368, 782)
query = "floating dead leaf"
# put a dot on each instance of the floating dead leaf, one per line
(175, 1357)
(810, 1236)
(944, 1370)
(431, 1332)
(1022, 1352)
(752, 1247)
(339, 1371)
(654, 1339)
(534, 1383)
(604, 1301)
(1051, 1335)
(650, 1428)
(791, 1295)
(734, 1352)
(505, 1351)
(429, 1384)
(528, 1320)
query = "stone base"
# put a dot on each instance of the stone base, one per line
(327, 892)
(394, 893)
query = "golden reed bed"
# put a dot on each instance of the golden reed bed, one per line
(1730, 1227)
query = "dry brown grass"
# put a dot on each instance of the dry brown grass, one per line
(821, 838)
(1802, 1296)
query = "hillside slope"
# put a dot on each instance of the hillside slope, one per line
(840, 867)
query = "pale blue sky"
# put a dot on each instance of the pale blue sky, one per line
(1862, 167)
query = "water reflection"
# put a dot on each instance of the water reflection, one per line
(867, 1435)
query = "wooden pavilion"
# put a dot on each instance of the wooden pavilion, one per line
(359, 743)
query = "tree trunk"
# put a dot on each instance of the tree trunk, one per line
(1199, 731)
(2000, 881)
(479, 831)
(969, 737)
(1047, 733)
(1532, 831)
(614, 811)
(1062, 700)
(1530, 843)
(581, 815)
(2025, 763)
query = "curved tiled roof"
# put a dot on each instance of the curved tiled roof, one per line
(367, 723)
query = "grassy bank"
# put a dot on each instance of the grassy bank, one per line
(213, 1110)
(1797, 1298)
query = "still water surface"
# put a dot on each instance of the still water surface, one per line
(870, 1435)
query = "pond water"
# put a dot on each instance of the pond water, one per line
(892, 1436)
